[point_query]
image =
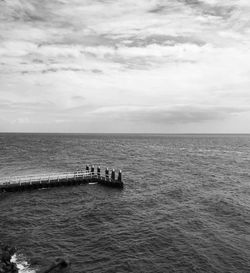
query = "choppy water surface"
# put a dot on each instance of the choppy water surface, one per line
(185, 207)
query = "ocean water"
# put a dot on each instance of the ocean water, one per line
(185, 206)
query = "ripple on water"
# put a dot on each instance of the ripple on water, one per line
(184, 207)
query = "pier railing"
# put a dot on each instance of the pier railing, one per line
(42, 177)
(15, 183)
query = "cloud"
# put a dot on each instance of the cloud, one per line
(78, 98)
(16, 48)
(146, 62)
(210, 8)
(174, 114)
(162, 40)
(31, 106)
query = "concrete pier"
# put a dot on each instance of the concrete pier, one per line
(20, 183)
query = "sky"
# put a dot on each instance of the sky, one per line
(125, 66)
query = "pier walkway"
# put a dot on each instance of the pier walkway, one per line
(20, 183)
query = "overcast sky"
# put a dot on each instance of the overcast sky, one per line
(155, 66)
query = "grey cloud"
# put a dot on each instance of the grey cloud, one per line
(197, 114)
(38, 61)
(163, 39)
(76, 37)
(204, 8)
(26, 72)
(78, 98)
(53, 70)
(173, 115)
(157, 9)
(81, 108)
(59, 69)
(67, 42)
(33, 11)
(189, 114)
(97, 71)
(10, 106)
(23, 11)
(135, 63)
(198, 6)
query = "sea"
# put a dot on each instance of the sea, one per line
(185, 206)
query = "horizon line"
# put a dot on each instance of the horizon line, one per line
(123, 133)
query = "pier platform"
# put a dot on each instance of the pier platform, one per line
(21, 183)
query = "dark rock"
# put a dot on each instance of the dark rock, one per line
(60, 265)
(6, 266)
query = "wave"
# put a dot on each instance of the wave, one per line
(21, 263)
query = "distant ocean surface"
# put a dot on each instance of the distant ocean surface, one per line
(185, 206)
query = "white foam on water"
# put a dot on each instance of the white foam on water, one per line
(22, 265)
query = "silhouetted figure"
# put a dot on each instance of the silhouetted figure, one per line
(119, 176)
